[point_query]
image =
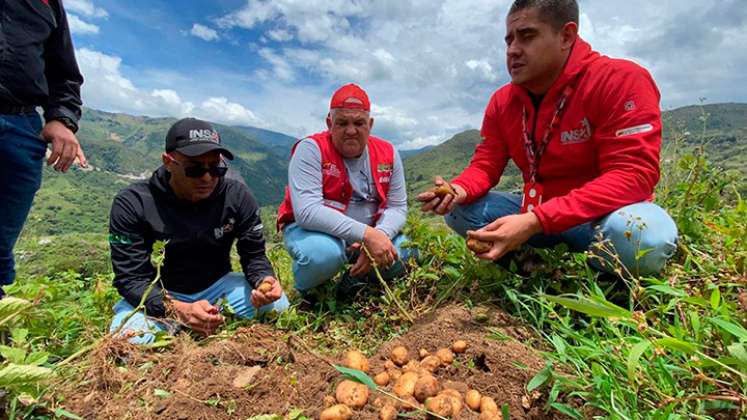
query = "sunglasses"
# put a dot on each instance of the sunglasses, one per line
(198, 171)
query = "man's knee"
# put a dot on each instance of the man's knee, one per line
(643, 236)
(316, 258)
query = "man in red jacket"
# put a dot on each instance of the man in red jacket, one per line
(585, 131)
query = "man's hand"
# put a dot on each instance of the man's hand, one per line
(507, 234)
(444, 204)
(260, 299)
(65, 146)
(200, 316)
(362, 264)
(380, 246)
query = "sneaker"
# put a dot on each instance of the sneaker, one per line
(349, 287)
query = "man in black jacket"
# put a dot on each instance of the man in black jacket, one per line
(37, 68)
(191, 204)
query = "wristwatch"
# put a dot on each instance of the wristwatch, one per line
(67, 122)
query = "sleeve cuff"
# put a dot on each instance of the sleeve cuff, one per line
(56, 112)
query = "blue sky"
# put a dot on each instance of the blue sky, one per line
(429, 66)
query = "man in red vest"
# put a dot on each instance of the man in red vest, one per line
(346, 189)
(585, 131)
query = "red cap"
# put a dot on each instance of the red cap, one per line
(350, 96)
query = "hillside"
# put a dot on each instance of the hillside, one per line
(122, 148)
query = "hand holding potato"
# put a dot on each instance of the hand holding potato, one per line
(442, 198)
(268, 291)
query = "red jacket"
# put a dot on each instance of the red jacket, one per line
(336, 188)
(604, 154)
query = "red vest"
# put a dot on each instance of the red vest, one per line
(336, 188)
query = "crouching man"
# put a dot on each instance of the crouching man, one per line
(191, 204)
(346, 189)
(585, 131)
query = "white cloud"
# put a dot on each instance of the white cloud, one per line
(107, 88)
(85, 8)
(79, 27)
(280, 35)
(203, 32)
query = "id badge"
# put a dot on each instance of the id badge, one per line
(532, 197)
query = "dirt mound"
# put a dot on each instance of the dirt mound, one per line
(264, 371)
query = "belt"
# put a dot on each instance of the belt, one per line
(16, 109)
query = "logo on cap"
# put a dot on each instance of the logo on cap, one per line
(204, 135)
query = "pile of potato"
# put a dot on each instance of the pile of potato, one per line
(413, 381)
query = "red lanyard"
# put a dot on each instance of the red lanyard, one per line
(534, 152)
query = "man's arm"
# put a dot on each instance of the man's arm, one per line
(130, 252)
(490, 158)
(250, 240)
(395, 214)
(627, 134)
(305, 184)
(62, 73)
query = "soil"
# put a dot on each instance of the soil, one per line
(261, 370)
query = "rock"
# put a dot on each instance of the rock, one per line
(245, 377)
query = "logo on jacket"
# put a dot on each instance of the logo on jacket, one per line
(577, 135)
(330, 169)
(384, 167)
(227, 228)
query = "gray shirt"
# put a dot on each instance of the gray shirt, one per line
(305, 182)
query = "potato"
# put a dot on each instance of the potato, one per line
(410, 404)
(442, 190)
(477, 246)
(394, 374)
(329, 401)
(355, 360)
(425, 387)
(446, 356)
(265, 287)
(400, 355)
(388, 364)
(459, 346)
(431, 363)
(457, 402)
(352, 394)
(488, 404)
(388, 412)
(337, 412)
(472, 398)
(381, 379)
(440, 405)
(489, 415)
(405, 385)
(423, 353)
(411, 366)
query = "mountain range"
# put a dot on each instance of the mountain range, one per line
(122, 148)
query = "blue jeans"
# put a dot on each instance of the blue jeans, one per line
(317, 257)
(642, 235)
(22, 152)
(232, 286)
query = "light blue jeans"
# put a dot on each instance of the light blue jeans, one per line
(232, 286)
(317, 257)
(642, 235)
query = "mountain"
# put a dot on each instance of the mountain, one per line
(277, 142)
(122, 148)
(448, 159)
(404, 154)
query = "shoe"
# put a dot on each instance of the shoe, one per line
(349, 287)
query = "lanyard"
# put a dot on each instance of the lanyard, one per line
(535, 152)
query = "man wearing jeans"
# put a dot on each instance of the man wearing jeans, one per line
(37, 68)
(346, 191)
(585, 131)
(199, 212)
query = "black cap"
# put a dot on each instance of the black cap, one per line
(192, 137)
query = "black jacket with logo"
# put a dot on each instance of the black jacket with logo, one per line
(37, 58)
(199, 235)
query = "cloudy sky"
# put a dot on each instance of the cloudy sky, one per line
(429, 66)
